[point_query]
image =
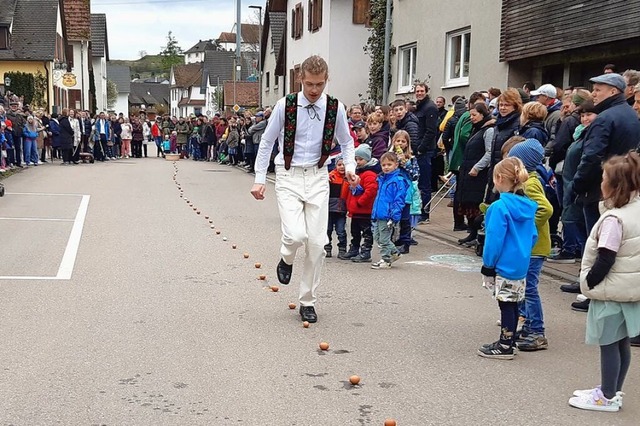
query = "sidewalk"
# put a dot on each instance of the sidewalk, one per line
(441, 226)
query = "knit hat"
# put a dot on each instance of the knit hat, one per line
(460, 106)
(364, 152)
(530, 152)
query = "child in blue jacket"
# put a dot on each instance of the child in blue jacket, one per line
(510, 235)
(387, 208)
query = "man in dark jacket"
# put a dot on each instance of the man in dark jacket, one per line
(406, 121)
(427, 114)
(66, 137)
(615, 131)
(17, 118)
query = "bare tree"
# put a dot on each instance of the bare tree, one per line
(142, 53)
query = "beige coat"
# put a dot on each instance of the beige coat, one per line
(622, 283)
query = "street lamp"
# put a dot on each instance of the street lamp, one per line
(259, 54)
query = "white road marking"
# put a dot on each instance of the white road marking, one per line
(43, 193)
(70, 253)
(45, 219)
(65, 270)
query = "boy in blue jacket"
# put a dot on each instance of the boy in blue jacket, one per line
(387, 208)
(510, 235)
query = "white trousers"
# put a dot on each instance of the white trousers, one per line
(303, 201)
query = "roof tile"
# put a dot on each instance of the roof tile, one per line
(77, 19)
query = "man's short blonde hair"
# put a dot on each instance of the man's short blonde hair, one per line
(314, 65)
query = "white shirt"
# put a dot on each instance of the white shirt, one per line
(308, 141)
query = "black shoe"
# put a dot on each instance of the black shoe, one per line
(353, 252)
(469, 238)
(496, 350)
(328, 253)
(404, 249)
(581, 306)
(284, 272)
(413, 242)
(570, 288)
(635, 341)
(308, 313)
(363, 257)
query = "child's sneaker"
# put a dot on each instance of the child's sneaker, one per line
(533, 342)
(496, 350)
(595, 400)
(381, 264)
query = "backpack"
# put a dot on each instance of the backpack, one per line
(548, 180)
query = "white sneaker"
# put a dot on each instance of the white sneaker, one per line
(381, 264)
(594, 400)
(40, 163)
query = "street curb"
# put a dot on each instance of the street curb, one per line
(548, 272)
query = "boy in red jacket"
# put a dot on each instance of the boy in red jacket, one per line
(359, 205)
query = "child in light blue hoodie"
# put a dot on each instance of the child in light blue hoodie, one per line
(387, 208)
(510, 235)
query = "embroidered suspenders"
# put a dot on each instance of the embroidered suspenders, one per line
(291, 121)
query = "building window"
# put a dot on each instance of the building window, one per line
(296, 21)
(457, 65)
(267, 78)
(315, 15)
(5, 38)
(276, 80)
(407, 67)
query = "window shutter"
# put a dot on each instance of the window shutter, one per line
(318, 22)
(292, 80)
(361, 11)
(293, 23)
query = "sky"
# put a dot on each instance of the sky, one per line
(142, 25)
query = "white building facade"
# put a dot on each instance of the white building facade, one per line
(455, 53)
(328, 29)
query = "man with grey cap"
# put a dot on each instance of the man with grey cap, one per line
(615, 131)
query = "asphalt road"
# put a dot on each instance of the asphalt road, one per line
(163, 323)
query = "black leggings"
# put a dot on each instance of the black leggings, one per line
(614, 364)
(508, 322)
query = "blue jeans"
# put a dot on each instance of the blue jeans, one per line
(26, 149)
(574, 237)
(339, 222)
(424, 181)
(531, 307)
(382, 235)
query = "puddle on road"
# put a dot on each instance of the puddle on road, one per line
(458, 262)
